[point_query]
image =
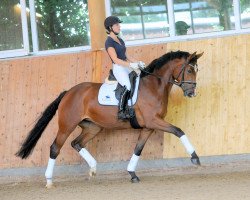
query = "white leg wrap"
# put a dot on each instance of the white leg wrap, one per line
(87, 156)
(49, 170)
(133, 163)
(189, 147)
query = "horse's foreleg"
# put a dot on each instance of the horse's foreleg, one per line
(89, 131)
(162, 125)
(143, 137)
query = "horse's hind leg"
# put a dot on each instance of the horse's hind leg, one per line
(55, 148)
(89, 131)
(143, 137)
(65, 129)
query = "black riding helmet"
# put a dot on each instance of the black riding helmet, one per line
(110, 21)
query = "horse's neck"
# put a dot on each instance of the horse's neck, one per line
(165, 73)
(165, 96)
(158, 90)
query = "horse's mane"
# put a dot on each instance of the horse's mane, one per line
(159, 62)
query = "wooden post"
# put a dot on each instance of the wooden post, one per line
(96, 19)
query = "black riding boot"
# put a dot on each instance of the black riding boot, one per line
(122, 106)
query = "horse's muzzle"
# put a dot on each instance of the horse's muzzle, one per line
(190, 92)
(188, 88)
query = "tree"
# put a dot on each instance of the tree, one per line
(223, 8)
(10, 26)
(63, 23)
(245, 5)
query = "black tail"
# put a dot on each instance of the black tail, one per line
(34, 135)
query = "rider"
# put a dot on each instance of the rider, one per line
(122, 64)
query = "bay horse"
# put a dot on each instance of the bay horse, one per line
(79, 107)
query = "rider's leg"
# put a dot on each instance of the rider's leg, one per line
(122, 106)
(122, 75)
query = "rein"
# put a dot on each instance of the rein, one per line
(174, 80)
(142, 69)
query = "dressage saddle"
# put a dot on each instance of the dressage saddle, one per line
(120, 88)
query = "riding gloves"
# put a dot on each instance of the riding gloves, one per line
(142, 64)
(134, 66)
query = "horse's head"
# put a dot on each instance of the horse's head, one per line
(185, 75)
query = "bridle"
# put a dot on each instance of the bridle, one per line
(181, 73)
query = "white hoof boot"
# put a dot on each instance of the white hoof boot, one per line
(92, 171)
(49, 184)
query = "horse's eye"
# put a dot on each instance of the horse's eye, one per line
(189, 71)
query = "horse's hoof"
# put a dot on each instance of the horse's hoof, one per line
(92, 172)
(49, 186)
(135, 180)
(196, 161)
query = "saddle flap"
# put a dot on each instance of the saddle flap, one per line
(108, 96)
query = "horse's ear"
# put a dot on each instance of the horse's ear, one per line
(190, 57)
(199, 55)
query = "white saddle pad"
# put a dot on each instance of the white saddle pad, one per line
(106, 94)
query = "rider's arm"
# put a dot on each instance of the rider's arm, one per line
(113, 56)
(131, 59)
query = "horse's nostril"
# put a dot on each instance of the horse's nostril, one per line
(190, 94)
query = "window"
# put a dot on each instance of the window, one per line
(173, 19)
(62, 24)
(142, 19)
(245, 13)
(204, 16)
(35, 26)
(46, 26)
(11, 34)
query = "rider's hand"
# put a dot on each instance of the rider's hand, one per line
(138, 72)
(134, 66)
(142, 64)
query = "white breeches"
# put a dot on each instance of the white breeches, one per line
(121, 74)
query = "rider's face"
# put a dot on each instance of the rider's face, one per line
(116, 28)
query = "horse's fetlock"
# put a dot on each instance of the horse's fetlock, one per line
(76, 146)
(194, 155)
(53, 151)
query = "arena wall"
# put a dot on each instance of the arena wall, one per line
(216, 121)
